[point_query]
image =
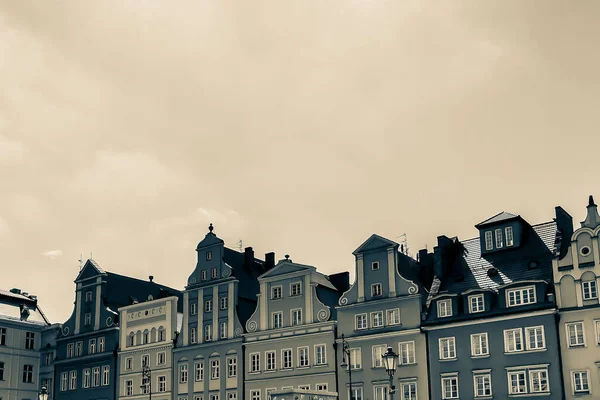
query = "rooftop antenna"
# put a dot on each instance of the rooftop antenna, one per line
(80, 262)
(404, 244)
(240, 245)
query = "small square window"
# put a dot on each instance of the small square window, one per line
(375, 265)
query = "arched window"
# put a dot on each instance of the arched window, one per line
(161, 334)
(131, 341)
(153, 335)
(146, 337)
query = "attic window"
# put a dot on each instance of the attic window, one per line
(584, 251)
(88, 296)
(509, 236)
(492, 271)
(489, 241)
(375, 265)
(499, 242)
(208, 255)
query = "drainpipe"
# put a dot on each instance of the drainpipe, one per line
(560, 363)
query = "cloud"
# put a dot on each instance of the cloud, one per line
(11, 151)
(52, 254)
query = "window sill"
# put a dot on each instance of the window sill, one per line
(355, 370)
(524, 352)
(484, 397)
(270, 371)
(254, 373)
(448, 359)
(306, 367)
(545, 394)
(480, 356)
(408, 364)
(320, 365)
(581, 393)
(578, 346)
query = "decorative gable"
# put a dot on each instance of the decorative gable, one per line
(89, 270)
(211, 265)
(501, 232)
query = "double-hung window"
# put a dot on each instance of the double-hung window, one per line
(575, 334)
(406, 353)
(535, 338)
(479, 344)
(377, 356)
(581, 382)
(513, 340)
(482, 384)
(450, 387)
(447, 348)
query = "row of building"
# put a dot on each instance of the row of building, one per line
(512, 312)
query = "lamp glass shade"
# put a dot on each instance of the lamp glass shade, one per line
(390, 360)
(43, 393)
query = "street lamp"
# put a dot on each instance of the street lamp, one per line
(146, 380)
(390, 360)
(344, 364)
(43, 393)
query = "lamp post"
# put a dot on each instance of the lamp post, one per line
(390, 360)
(344, 364)
(43, 393)
(147, 380)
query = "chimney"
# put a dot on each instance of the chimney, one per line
(151, 277)
(269, 261)
(341, 281)
(593, 219)
(564, 223)
(248, 257)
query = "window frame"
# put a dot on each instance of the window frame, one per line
(489, 240)
(317, 347)
(410, 352)
(506, 334)
(391, 312)
(487, 375)
(528, 344)
(307, 351)
(589, 290)
(511, 242)
(299, 321)
(480, 335)
(382, 321)
(531, 372)
(521, 289)
(450, 378)
(374, 286)
(297, 284)
(574, 381)
(476, 297)
(274, 361)
(525, 381)
(449, 339)
(568, 336)
(498, 238)
(273, 319)
(276, 289)
(448, 308)
(289, 352)
(366, 321)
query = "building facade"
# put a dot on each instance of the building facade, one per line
(87, 346)
(47, 357)
(148, 332)
(491, 317)
(576, 276)
(382, 308)
(219, 298)
(290, 342)
(21, 326)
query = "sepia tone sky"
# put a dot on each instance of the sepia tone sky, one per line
(300, 127)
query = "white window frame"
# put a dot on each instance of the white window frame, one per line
(162, 383)
(88, 296)
(273, 319)
(358, 393)
(525, 381)
(597, 327)
(255, 395)
(355, 357)
(290, 360)
(375, 265)
(145, 357)
(193, 335)
(528, 346)
(183, 373)
(481, 338)
(208, 333)
(476, 298)
(295, 285)
(203, 275)
(411, 385)
(278, 289)
(390, 313)
(320, 360)
(531, 375)
(410, 353)
(569, 343)
(232, 366)
(445, 310)
(587, 291)
(321, 387)
(521, 290)
(450, 395)
(381, 321)
(268, 361)
(105, 375)
(294, 313)
(92, 346)
(376, 290)
(451, 348)
(516, 331)
(208, 306)
(577, 379)
(86, 380)
(199, 371)
(383, 392)
(193, 308)
(364, 318)
(254, 362)
(223, 330)
(377, 352)
(509, 236)
(483, 375)
(214, 273)
(215, 369)
(499, 238)
(302, 349)
(208, 255)
(489, 240)
(129, 387)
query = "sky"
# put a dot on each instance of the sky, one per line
(299, 127)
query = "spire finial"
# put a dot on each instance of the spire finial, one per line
(287, 256)
(210, 227)
(591, 202)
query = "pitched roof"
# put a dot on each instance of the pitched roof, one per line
(247, 275)
(10, 309)
(122, 289)
(374, 242)
(503, 216)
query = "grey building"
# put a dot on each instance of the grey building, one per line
(48, 354)
(219, 298)
(382, 308)
(491, 317)
(290, 342)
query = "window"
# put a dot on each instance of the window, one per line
(476, 303)
(304, 387)
(199, 371)
(208, 333)
(406, 353)
(286, 359)
(535, 338)
(303, 360)
(208, 255)
(320, 354)
(88, 319)
(129, 388)
(232, 396)
(29, 340)
(92, 346)
(213, 273)
(277, 319)
(321, 387)
(193, 338)
(255, 362)
(105, 375)
(145, 360)
(539, 381)
(295, 289)
(223, 330)
(88, 296)
(450, 387)
(255, 395)
(145, 385)
(96, 376)
(297, 317)
(482, 385)
(517, 383)
(575, 334)
(522, 296)
(203, 275)
(356, 393)
(79, 348)
(276, 292)
(1, 371)
(355, 358)
(162, 383)
(377, 355)
(513, 340)
(269, 361)
(447, 349)
(2, 336)
(232, 367)
(479, 344)
(393, 316)
(361, 321)
(208, 306)
(508, 231)
(499, 242)
(589, 290)
(408, 391)
(101, 345)
(380, 392)
(129, 363)
(444, 308)
(161, 334)
(87, 378)
(193, 309)
(48, 358)
(377, 319)
(27, 373)
(64, 380)
(70, 350)
(183, 373)
(161, 358)
(223, 303)
(376, 289)
(489, 241)
(214, 369)
(580, 382)
(375, 265)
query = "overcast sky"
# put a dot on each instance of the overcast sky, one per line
(300, 127)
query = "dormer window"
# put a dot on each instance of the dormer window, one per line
(376, 289)
(590, 291)
(203, 275)
(476, 303)
(499, 242)
(510, 240)
(375, 265)
(444, 308)
(208, 255)
(521, 296)
(489, 242)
